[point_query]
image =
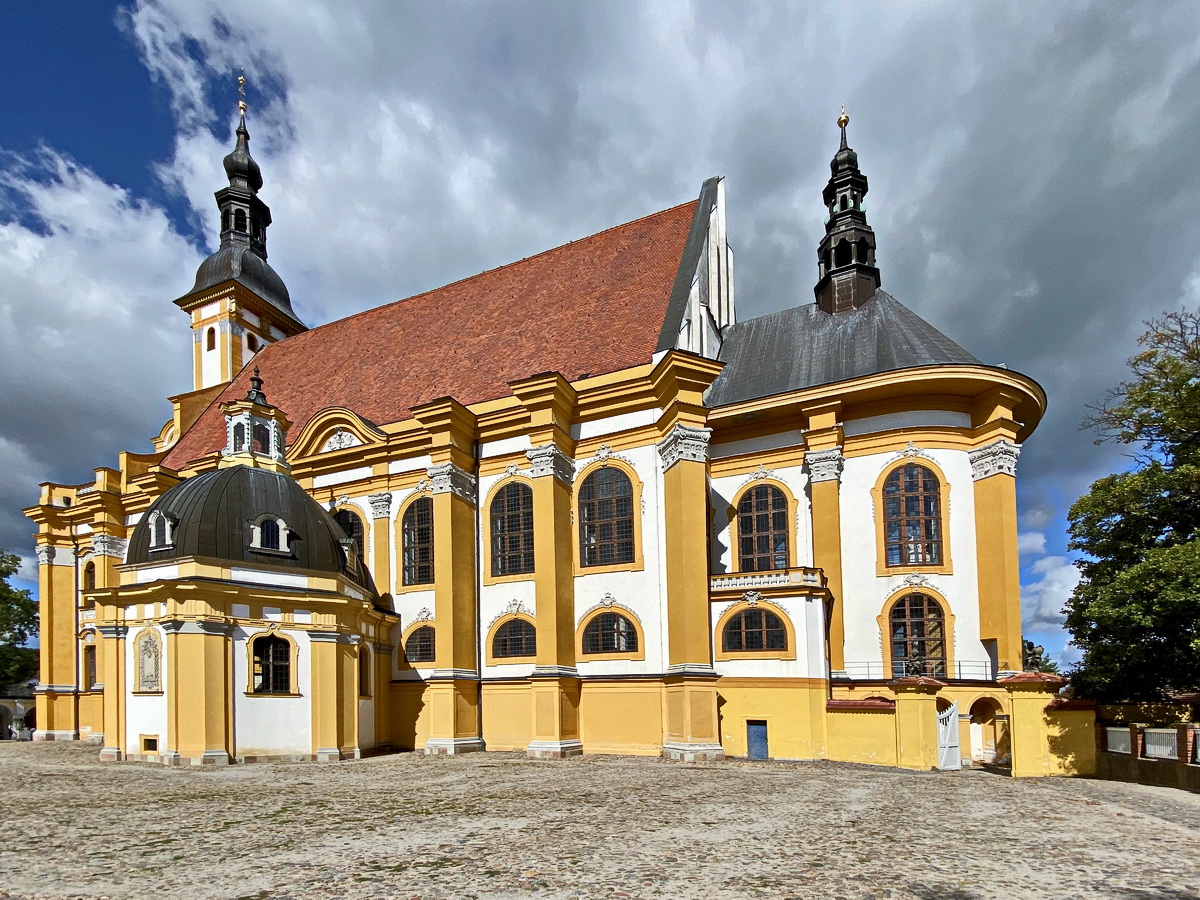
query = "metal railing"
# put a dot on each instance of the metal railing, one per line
(965, 670)
(1116, 740)
(1161, 743)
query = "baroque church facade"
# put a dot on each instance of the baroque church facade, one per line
(604, 515)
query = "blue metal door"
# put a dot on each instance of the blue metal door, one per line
(756, 739)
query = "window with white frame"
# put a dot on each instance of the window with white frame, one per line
(270, 533)
(162, 531)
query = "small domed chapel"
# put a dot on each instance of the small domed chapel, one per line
(569, 505)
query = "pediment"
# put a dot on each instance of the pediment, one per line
(332, 429)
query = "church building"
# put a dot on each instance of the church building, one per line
(570, 505)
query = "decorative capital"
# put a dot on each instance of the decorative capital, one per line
(106, 545)
(684, 442)
(381, 504)
(449, 477)
(549, 460)
(996, 458)
(824, 465)
(45, 555)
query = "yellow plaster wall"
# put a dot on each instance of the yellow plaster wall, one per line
(862, 736)
(91, 711)
(507, 715)
(793, 713)
(410, 715)
(1071, 734)
(622, 717)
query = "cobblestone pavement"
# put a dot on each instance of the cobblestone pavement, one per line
(499, 825)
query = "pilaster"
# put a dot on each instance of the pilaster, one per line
(114, 639)
(200, 690)
(381, 537)
(823, 457)
(994, 469)
(334, 689)
(57, 695)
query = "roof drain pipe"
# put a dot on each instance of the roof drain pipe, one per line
(478, 451)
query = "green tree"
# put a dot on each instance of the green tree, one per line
(1136, 611)
(18, 622)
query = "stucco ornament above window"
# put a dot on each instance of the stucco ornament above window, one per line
(340, 440)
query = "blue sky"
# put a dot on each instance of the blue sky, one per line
(1033, 182)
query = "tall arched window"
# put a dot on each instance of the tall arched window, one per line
(912, 515)
(512, 530)
(918, 637)
(416, 536)
(161, 531)
(272, 665)
(517, 637)
(420, 647)
(762, 529)
(268, 534)
(754, 629)
(610, 632)
(210, 339)
(239, 220)
(606, 518)
(261, 435)
(89, 577)
(350, 523)
(239, 437)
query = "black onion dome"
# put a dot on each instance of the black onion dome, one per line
(212, 513)
(240, 164)
(239, 262)
(844, 161)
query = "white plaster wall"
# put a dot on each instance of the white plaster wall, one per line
(272, 725)
(725, 489)
(865, 592)
(145, 713)
(808, 619)
(412, 464)
(643, 592)
(493, 603)
(210, 360)
(343, 477)
(409, 605)
(614, 424)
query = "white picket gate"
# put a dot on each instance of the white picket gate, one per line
(949, 756)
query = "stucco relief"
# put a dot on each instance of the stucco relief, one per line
(340, 440)
(996, 458)
(549, 460)
(684, 443)
(381, 504)
(449, 477)
(149, 663)
(824, 465)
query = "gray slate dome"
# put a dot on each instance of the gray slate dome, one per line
(805, 346)
(238, 262)
(212, 513)
(240, 164)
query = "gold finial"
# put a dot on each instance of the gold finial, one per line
(843, 119)
(242, 91)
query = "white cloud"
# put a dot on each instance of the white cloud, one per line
(1031, 543)
(1043, 599)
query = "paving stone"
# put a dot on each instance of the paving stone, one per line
(503, 826)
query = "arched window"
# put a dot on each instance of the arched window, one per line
(606, 518)
(239, 220)
(89, 577)
(239, 437)
(845, 202)
(416, 536)
(161, 531)
(517, 637)
(512, 530)
(89, 667)
(268, 534)
(762, 529)
(262, 438)
(610, 632)
(210, 339)
(918, 637)
(841, 253)
(912, 515)
(419, 648)
(225, 220)
(251, 343)
(350, 523)
(864, 251)
(364, 672)
(272, 665)
(754, 629)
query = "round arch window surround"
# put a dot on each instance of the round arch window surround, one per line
(763, 529)
(420, 646)
(515, 638)
(912, 514)
(606, 519)
(917, 635)
(753, 630)
(610, 632)
(511, 518)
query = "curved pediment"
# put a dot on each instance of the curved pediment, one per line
(334, 428)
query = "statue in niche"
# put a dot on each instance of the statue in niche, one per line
(149, 663)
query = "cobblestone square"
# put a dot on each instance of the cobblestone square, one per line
(500, 825)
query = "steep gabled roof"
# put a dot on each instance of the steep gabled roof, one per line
(805, 346)
(590, 307)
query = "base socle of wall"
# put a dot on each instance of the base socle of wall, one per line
(693, 752)
(452, 746)
(554, 749)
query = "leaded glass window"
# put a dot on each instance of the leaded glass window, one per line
(517, 637)
(606, 518)
(918, 637)
(754, 629)
(610, 632)
(762, 529)
(512, 530)
(417, 541)
(912, 515)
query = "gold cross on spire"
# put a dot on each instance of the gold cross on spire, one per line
(242, 91)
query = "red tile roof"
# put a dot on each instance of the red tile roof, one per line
(589, 307)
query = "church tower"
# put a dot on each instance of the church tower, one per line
(846, 255)
(238, 302)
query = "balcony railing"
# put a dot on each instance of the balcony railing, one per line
(748, 581)
(877, 671)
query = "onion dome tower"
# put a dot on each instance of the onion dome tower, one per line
(846, 254)
(238, 302)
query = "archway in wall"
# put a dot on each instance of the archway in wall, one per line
(987, 744)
